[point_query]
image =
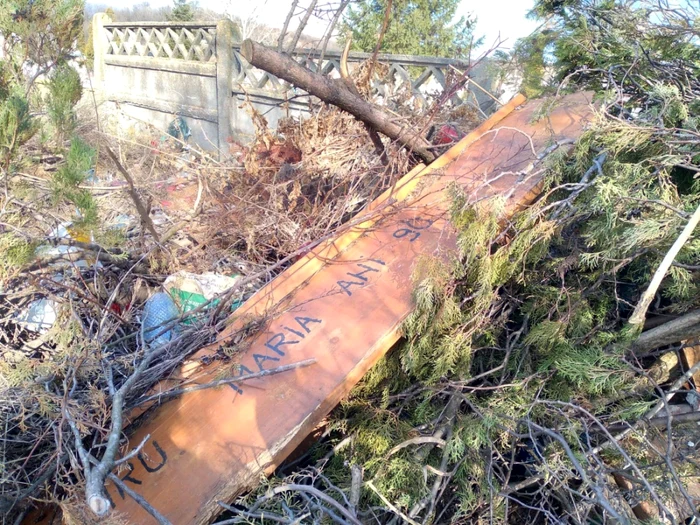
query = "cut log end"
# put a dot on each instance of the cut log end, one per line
(99, 505)
(247, 49)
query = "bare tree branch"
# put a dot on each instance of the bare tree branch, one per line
(290, 14)
(302, 26)
(329, 31)
(140, 207)
(640, 311)
(679, 329)
(380, 39)
(162, 520)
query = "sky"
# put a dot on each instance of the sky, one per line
(504, 18)
(494, 17)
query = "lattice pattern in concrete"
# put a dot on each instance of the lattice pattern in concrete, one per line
(180, 43)
(417, 75)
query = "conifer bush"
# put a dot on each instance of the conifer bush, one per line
(518, 394)
(17, 126)
(64, 92)
(80, 158)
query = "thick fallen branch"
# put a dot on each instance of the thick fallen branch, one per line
(336, 93)
(681, 414)
(680, 329)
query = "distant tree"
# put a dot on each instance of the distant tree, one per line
(252, 27)
(85, 40)
(141, 12)
(417, 27)
(183, 11)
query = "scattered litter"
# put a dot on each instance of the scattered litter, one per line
(122, 222)
(65, 231)
(180, 193)
(179, 129)
(105, 179)
(183, 160)
(445, 134)
(158, 312)
(90, 177)
(159, 218)
(191, 290)
(60, 232)
(39, 316)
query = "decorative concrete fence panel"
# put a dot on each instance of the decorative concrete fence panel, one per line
(159, 71)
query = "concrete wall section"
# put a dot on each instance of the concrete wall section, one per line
(159, 96)
(204, 133)
(176, 89)
(160, 71)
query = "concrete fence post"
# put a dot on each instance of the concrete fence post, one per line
(99, 46)
(224, 76)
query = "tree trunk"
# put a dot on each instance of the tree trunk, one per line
(335, 93)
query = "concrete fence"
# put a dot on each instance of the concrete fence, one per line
(161, 70)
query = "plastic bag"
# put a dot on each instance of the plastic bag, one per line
(191, 290)
(158, 313)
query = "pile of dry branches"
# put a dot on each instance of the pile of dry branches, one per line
(66, 391)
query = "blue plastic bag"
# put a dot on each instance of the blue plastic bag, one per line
(158, 313)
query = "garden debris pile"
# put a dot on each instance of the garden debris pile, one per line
(85, 283)
(549, 370)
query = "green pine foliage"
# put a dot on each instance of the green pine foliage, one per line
(17, 126)
(44, 32)
(530, 58)
(64, 92)
(66, 182)
(416, 27)
(5, 80)
(454, 299)
(15, 252)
